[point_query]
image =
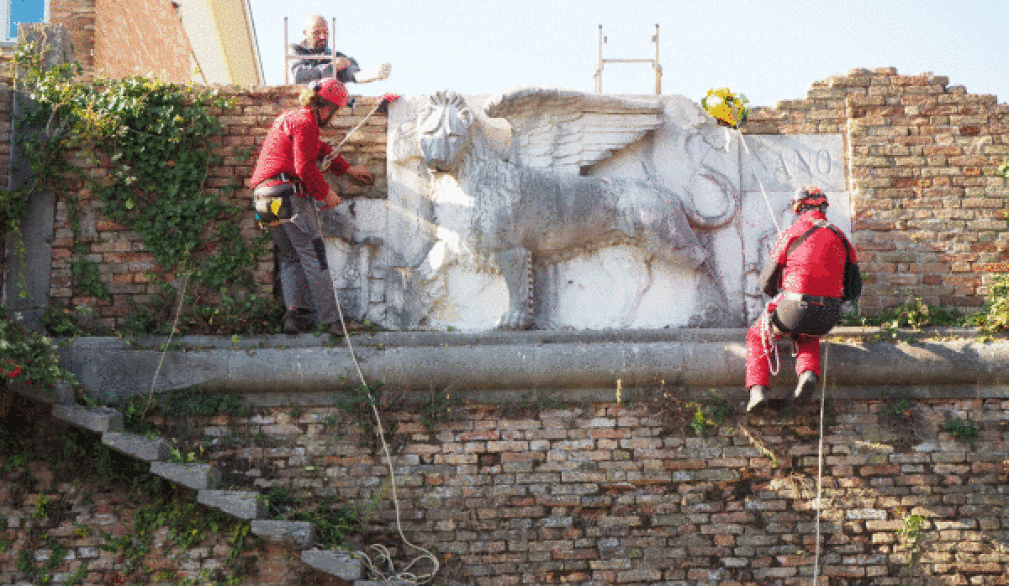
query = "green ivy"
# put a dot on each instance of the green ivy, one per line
(154, 138)
(86, 274)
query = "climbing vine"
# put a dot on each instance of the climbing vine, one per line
(151, 141)
(27, 357)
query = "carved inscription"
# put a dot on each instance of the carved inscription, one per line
(781, 162)
(799, 164)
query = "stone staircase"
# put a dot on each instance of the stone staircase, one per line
(204, 479)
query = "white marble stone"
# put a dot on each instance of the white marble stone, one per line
(442, 251)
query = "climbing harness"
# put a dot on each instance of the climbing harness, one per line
(770, 336)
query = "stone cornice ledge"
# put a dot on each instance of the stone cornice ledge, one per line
(487, 366)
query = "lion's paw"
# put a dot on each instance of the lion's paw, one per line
(515, 320)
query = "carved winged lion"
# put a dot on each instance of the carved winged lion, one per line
(538, 201)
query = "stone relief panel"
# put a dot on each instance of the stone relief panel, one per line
(556, 209)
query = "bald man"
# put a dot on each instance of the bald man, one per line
(318, 63)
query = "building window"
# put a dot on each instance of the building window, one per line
(18, 11)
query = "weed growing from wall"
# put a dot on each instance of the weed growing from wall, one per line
(336, 524)
(86, 273)
(963, 430)
(437, 408)
(994, 317)
(709, 415)
(914, 314)
(910, 534)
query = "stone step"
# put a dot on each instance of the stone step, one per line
(300, 534)
(337, 563)
(194, 476)
(97, 419)
(61, 393)
(145, 448)
(241, 504)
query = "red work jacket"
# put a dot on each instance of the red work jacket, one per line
(814, 267)
(293, 146)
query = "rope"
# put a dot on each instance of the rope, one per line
(767, 199)
(771, 348)
(383, 554)
(819, 465)
(168, 344)
(767, 332)
(769, 338)
(328, 159)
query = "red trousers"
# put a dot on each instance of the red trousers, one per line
(758, 371)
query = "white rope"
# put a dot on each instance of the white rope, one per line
(328, 159)
(767, 199)
(168, 344)
(819, 465)
(767, 335)
(383, 554)
(769, 338)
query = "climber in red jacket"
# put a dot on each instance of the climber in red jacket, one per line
(288, 171)
(805, 276)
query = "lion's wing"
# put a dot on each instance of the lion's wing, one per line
(567, 130)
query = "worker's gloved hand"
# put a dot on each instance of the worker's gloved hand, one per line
(384, 70)
(360, 174)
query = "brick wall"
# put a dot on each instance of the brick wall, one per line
(117, 38)
(141, 37)
(929, 217)
(119, 251)
(538, 492)
(78, 16)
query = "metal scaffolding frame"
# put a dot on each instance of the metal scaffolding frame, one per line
(598, 76)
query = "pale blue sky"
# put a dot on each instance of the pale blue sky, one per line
(770, 50)
(24, 11)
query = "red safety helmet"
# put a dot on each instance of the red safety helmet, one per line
(332, 90)
(808, 197)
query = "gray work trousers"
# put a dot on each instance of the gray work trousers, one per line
(301, 254)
